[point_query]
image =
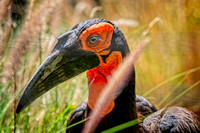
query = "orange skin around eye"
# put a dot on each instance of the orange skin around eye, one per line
(104, 30)
(97, 78)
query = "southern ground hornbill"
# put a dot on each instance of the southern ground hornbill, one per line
(98, 46)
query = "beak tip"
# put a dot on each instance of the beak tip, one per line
(21, 105)
(18, 110)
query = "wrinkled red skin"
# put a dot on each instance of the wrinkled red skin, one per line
(97, 78)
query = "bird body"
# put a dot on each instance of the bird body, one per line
(81, 112)
(98, 46)
(172, 120)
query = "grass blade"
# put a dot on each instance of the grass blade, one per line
(184, 92)
(122, 126)
(168, 95)
(171, 79)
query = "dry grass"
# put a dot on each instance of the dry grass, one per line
(30, 31)
(4, 9)
(166, 69)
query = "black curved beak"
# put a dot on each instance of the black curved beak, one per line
(64, 62)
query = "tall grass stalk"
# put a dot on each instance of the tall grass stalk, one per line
(171, 92)
(184, 92)
(171, 79)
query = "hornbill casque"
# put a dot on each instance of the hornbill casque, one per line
(98, 46)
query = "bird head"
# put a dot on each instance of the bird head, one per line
(90, 45)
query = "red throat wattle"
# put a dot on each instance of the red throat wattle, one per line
(97, 78)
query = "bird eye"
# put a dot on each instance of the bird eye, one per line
(94, 40)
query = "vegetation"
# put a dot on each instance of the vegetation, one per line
(167, 72)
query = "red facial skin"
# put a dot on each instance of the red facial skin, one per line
(97, 76)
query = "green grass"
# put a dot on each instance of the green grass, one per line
(167, 72)
(122, 126)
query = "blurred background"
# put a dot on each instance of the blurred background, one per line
(167, 72)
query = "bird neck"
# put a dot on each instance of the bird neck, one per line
(97, 78)
(123, 108)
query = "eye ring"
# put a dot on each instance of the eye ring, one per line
(93, 40)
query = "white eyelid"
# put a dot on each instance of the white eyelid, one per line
(100, 39)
